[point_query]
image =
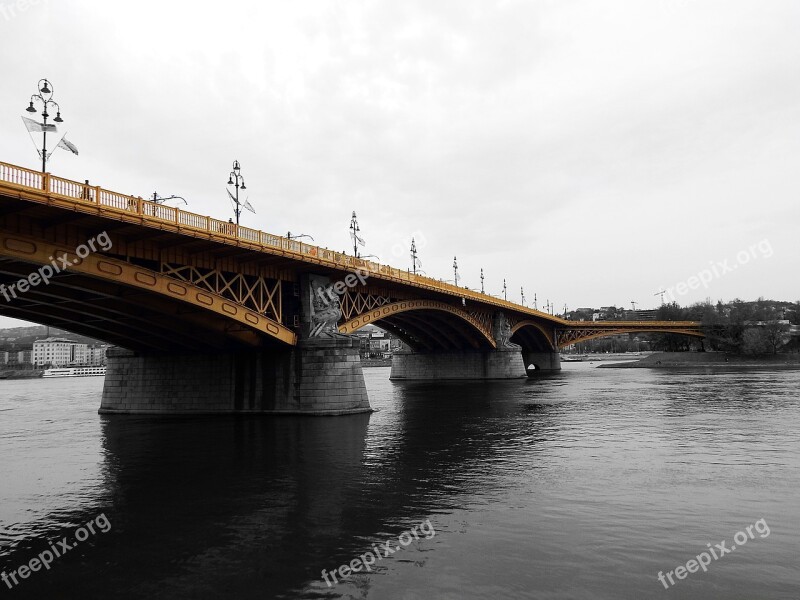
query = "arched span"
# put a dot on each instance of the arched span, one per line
(607, 333)
(101, 267)
(388, 311)
(542, 337)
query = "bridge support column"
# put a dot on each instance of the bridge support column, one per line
(503, 363)
(317, 377)
(541, 362)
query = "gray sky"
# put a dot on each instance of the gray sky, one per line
(591, 152)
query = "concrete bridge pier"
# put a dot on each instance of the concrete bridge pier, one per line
(317, 377)
(503, 363)
(542, 362)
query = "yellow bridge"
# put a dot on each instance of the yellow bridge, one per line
(170, 281)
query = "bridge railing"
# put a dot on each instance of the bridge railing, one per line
(20, 176)
(183, 220)
(59, 187)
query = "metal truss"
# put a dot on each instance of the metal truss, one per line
(566, 337)
(354, 304)
(484, 319)
(257, 293)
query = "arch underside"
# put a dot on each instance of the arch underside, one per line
(128, 305)
(563, 343)
(426, 325)
(532, 336)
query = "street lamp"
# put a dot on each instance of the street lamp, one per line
(522, 295)
(414, 256)
(505, 294)
(45, 96)
(235, 179)
(354, 231)
(482, 292)
(455, 270)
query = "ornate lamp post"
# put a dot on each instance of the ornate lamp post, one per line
(235, 179)
(482, 292)
(414, 256)
(354, 231)
(505, 291)
(455, 271)
(45, 97)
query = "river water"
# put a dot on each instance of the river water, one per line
(584, 484)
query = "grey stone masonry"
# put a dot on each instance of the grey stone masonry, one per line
(317, 377)
(541, 362)
(503, 363)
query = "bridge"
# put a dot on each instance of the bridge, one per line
(209, 316)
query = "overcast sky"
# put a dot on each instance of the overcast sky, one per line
(592, 152)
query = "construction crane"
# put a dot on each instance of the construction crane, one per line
(660, 293)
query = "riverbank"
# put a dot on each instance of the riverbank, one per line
(661, 360)
(20, 374)
(376, 362)
(606, 356)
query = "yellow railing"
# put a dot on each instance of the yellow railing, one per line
(159, 215)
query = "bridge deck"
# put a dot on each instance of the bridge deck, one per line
(19, 183)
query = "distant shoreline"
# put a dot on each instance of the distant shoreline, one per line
(683, 360)
(376, 362)
(20, 374)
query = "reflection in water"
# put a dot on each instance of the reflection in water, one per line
(581, 484)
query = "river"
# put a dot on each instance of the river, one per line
(584, 484)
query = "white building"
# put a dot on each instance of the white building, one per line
(97, 355)
(59, 352)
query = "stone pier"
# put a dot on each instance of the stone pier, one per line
(541, 362)
(318, 377)
(504, 363)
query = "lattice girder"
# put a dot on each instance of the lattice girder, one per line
(256, 293)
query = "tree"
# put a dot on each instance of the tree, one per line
(754, 341)
(775, 334)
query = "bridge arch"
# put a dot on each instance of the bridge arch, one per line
(426, 325)
(207, 319)
(532, 336)
(569, 338)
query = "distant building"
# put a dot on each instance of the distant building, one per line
(377, 343)
(59, 352)
(640, 315)
(97, 355)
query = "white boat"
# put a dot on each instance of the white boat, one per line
(75, 372)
